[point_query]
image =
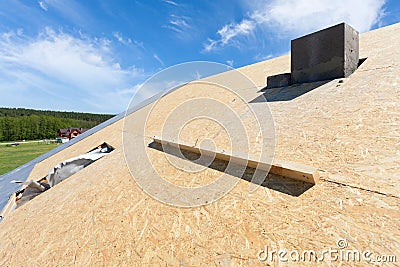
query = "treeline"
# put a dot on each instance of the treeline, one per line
(18, 112)
(29, 124)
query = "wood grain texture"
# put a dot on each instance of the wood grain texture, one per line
(287, 169)
(100, 216)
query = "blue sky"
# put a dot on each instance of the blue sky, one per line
(93, 55)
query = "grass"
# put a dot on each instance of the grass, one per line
(13, 157)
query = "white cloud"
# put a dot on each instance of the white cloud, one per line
(125, 41)
(229, 32)
(298, 17)
(170, 2)
(301, 16)
(261, 57)
(59, 71)
(180, 25)
(139, 44)
(232, 30)
(179, 21)
(156, 57)
(210, 45)
(43, 5)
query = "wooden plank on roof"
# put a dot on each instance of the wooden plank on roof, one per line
(9, 207)
(288, 169)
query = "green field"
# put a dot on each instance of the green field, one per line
(12, 157)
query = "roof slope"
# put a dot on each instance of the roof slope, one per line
(350, 130)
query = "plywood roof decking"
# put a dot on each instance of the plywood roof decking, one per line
(350, 130)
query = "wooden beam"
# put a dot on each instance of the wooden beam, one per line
(9, 207)
(288, 169)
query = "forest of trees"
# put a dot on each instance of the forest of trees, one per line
(30, 124)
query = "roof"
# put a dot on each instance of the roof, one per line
(64, 130)
(348, 130)
(70, 129)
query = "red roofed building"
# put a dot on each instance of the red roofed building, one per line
(70, 132)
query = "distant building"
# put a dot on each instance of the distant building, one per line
(70, 132)
(62, 140)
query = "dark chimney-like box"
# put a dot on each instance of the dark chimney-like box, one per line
(325, 55)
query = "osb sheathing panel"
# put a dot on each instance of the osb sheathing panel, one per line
(351, 130)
